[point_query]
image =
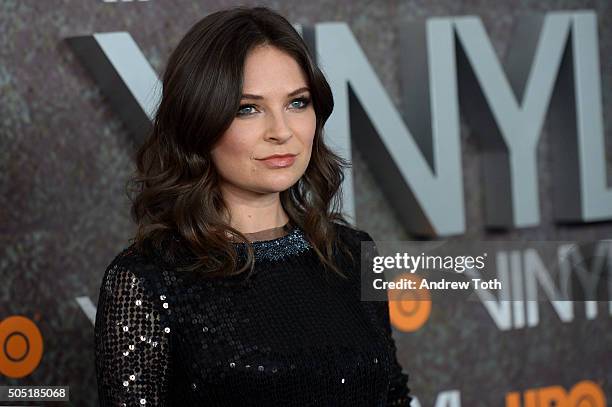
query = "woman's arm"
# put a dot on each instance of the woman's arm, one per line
(398, 390)
(131, 338)
(398, 394)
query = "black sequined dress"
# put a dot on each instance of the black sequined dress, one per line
(292, 335)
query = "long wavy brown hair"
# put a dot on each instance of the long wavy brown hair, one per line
(175, 186)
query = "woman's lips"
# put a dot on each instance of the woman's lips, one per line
(279, 162)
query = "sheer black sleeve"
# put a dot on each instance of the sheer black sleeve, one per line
(132, 331)
(398, 390)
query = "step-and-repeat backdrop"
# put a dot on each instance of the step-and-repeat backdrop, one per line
(478, 128)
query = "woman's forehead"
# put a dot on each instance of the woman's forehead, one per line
(270, 70)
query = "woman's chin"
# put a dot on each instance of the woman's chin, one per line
(278, 184)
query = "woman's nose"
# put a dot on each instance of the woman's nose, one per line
(278, 127)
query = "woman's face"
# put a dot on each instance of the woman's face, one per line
(275, 117)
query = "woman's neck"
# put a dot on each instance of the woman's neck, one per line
(269, 234)
(253, 213)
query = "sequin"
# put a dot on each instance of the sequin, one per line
(340, 342)
(291, 244)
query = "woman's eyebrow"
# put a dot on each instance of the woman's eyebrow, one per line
(295, 92)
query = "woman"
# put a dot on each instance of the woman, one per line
(241, 286)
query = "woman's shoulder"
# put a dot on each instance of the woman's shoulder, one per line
(352, 234)
(132, 256)
(130, 264)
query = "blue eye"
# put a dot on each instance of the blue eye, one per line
(305, 101)
(244, 107)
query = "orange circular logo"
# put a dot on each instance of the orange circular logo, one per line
(21, 346)
(409, 309)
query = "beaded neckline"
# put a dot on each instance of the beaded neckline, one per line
(294, 242)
